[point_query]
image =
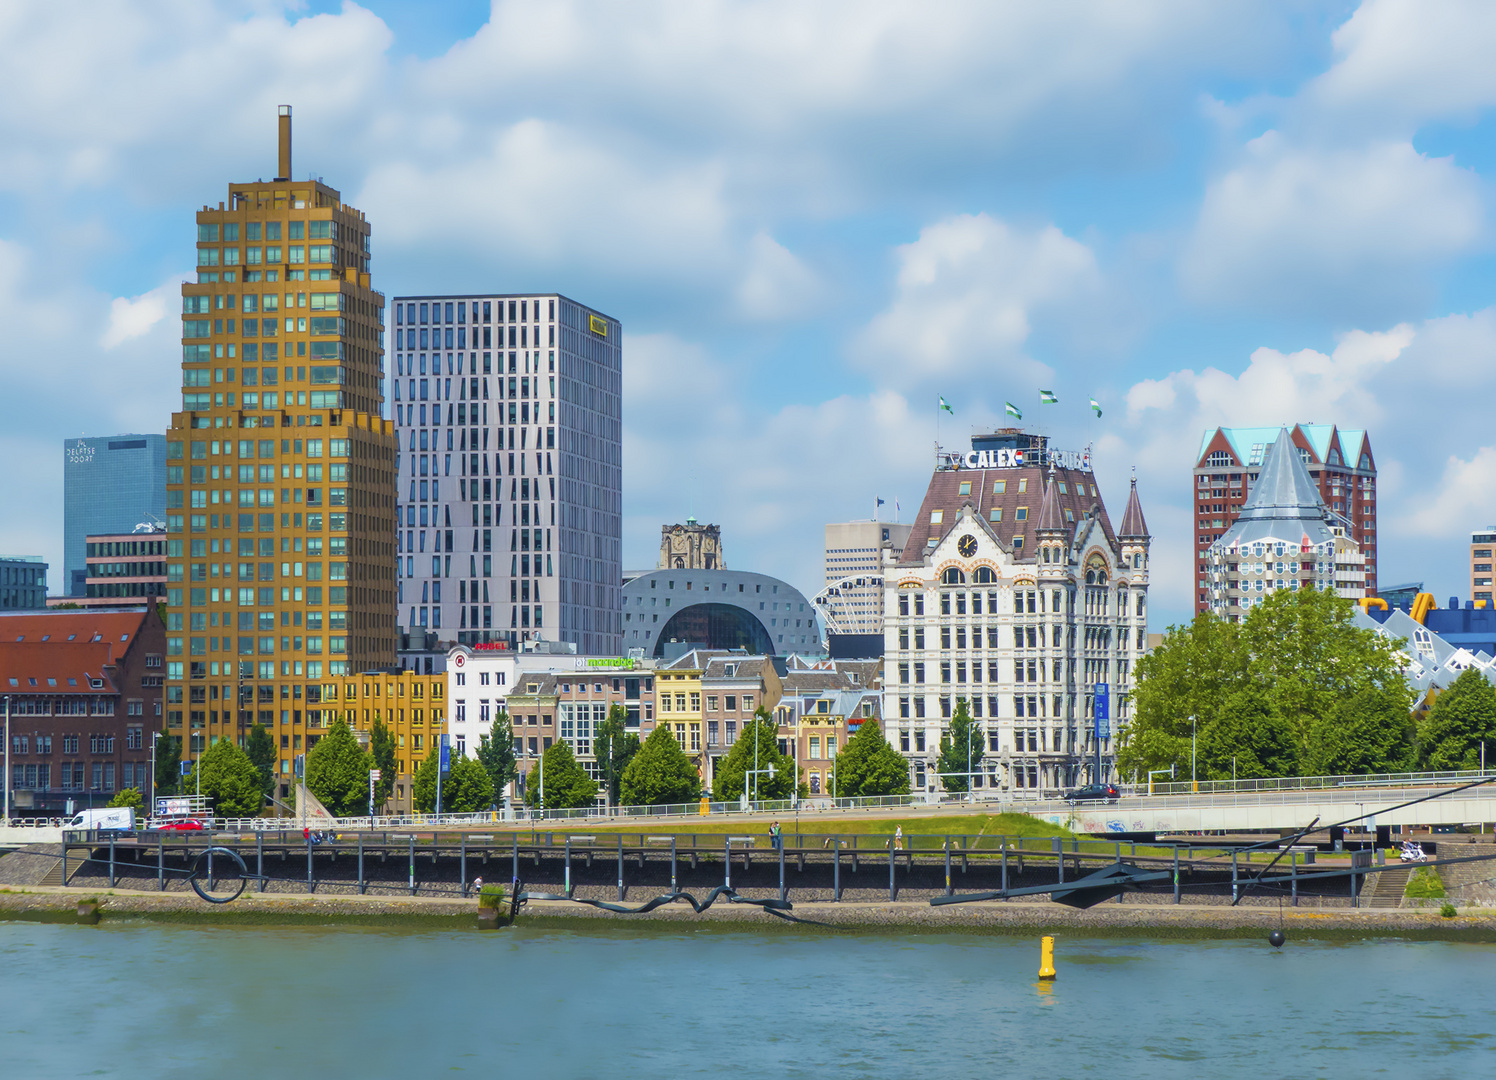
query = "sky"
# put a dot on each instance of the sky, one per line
(813, 221)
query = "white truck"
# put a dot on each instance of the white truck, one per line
(104, 819)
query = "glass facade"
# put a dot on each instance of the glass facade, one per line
(109, 485)
(23, 582)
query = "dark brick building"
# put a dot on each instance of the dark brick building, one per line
(84, 690)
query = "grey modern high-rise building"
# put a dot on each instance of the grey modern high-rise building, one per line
(110, 484)
(510, 481)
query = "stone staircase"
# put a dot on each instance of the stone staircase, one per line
(1387, 887)
(53, 876)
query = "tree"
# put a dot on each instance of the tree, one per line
(1247, 739)
(567, 785)
(130, 797)
(496, 752)
(1461, 718)
(382, 753)
(1298, 653)
(869, 766)
(230, 779)
(168, 764)
(261, 750)
(731, 777)
(615, 746)
(660, 773)
(1187, 675)
(960, 743)
(466, 789)
(337, 772)
(1369, 732)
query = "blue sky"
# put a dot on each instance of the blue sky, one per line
(812, 220)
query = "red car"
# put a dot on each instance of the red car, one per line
(181, 825)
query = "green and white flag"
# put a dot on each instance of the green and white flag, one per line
(1046, 397)
(1097, 406)
(946, 407)
(1014, 411)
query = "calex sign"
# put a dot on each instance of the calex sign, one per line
(1009, 458)
(1006, 458)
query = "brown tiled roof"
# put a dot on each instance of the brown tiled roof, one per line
(944, 494)
(116, 625)
(54, 667)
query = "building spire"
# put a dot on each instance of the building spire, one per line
(1050, 518)
(1284, 489)
(1133, 525)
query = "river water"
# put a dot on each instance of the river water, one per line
(638, 1001)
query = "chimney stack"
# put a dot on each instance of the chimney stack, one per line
(284, 171)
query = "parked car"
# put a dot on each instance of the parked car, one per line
(180, 825)
(1093, 793)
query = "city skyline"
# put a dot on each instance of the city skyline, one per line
(1231, 218)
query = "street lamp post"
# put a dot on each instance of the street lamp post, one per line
(5, 813)
(1194, 783)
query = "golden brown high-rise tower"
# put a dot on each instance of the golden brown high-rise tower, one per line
(280, 469)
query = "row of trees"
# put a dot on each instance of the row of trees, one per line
(240, 780)
(1294, 689)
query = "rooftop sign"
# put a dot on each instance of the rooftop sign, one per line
(1016, 459)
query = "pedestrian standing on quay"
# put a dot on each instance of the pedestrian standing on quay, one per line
(898, 838)
(776, 838)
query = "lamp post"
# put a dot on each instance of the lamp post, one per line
(1194, 783)
(5, 813)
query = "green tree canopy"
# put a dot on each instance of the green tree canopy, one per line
(382, 756)
(1247, 739)
(615, 746)
(260, 748)
(961, 748)
(496, 752)
(567, 785)
(1298, 653)
(466, 789)
(130, 797)
(868, 766)
(660, 773)
(732, 777)
(168, 764)
(1370, 732)
(1461, 718)
(337, 772)
(230, 779)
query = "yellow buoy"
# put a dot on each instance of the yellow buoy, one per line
(1046, 958)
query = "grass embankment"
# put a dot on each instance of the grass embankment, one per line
(1425, 884)
(993, 825)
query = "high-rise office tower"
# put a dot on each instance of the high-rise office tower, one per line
(1340, 465)
(856, 553)
(508, 412)
(109, 485)
(280, 470)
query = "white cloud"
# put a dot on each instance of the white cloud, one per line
(1402, 63)
(694, 442)
(775, 284)
(966, 297)
(1305, 228)
(132, 317)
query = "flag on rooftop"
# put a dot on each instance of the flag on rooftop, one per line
(946, 407)
(1046, 397)
(1096, 405)
(1014, 411)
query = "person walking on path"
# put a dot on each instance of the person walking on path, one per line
(898, 838)
(776, 835)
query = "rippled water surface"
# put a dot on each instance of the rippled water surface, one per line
(151, 1001)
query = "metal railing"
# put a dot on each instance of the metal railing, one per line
(1313, 783)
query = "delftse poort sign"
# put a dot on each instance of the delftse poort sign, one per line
(1013, 458)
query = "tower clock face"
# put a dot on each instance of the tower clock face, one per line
(967, 546)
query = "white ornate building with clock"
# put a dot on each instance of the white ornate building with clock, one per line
(1015, 593)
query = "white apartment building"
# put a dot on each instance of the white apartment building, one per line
(1014, 593)
(1284, 538)
(509, 415)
